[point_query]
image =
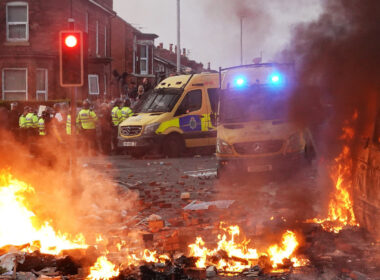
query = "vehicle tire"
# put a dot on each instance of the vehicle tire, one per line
(173, 145)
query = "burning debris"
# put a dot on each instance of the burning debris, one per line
(340, 212)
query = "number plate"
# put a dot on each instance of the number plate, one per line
(129, 144)
(259, 168)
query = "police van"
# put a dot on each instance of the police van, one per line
(178, 115)
(255, 134)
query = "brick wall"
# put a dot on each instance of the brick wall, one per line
(46, 19)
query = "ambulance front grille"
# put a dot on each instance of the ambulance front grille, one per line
(131, 130)
(262, 147)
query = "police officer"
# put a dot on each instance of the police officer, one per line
(126, 110)
(86, 121)
(42, 124)
(116, 120)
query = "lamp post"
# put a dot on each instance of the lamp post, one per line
(178, 37)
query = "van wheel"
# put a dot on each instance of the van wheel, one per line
(173, 146)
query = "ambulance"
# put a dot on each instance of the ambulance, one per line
(178, 115)
(254, 133)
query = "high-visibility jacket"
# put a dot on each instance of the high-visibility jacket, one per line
(35, 121)
(126, 112)
(68, 125)
(86, 119)
(22, 121)
(41, 127)
(116, 116)
(29, 120)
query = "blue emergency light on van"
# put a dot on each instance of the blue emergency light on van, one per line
(275, 79)
(240, 81)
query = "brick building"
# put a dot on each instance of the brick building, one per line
(165, 62)
(29, 61)
(132, 52)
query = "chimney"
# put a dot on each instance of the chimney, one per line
(175, 49)
(161, 45)
(184, 51)
(171, 48)
(208, 66)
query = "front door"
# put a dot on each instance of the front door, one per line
(191, 114)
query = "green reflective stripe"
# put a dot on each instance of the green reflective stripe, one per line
(206, 121)
(165, 125)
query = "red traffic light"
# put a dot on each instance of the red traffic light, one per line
(71, 41)
(71, 58)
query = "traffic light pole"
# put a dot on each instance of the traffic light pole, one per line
(74, 144)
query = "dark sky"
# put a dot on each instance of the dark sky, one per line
(211, 28)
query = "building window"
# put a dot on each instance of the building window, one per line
(42, 84)
(15, 84)
(143, 59)
(93, 84)
(97, 38)
(86, 23)
(17, 21)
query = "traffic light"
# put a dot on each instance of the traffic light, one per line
(71, 58)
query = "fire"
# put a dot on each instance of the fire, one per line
(103, 269)
(278, 253)
(234, 256)
(340, 212)
(151, 257)
(21, 226)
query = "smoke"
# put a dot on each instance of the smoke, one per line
(90, 202)
(337, 59)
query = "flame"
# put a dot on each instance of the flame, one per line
(21, 226)
(278, 253)
(340, 212)
(238, 256)
(103, 269)
(151, 257)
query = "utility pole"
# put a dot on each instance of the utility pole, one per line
(241, 40)
(178, 37)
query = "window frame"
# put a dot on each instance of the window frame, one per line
(97, 38)
(105, 40)
(145, 60)
(14, 91)
(89, 83)
(180, 107)
(46, 91)
(15, 4)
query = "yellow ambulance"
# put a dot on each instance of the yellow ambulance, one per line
(254, 131)
(179, 114)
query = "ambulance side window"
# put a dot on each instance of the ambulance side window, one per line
(192, 102)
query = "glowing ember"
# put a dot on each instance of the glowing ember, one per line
(233, 256)
(103, 269)
(341, 212)
(23, 227)
(152, 257)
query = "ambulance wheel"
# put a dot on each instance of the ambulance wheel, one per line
(173, 145)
